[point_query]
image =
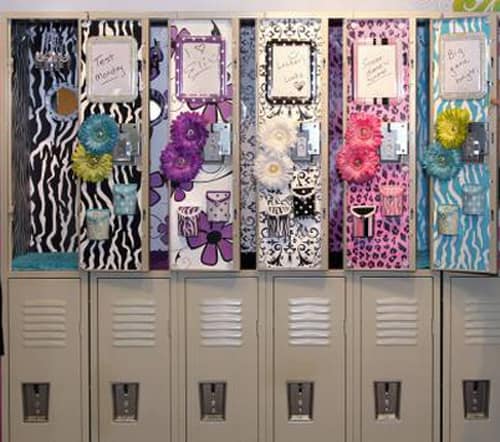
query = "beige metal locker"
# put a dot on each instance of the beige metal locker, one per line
(309, 358)
(47, 389)
(222, 358)
(132, 392)
(471, 375)
(395, 357)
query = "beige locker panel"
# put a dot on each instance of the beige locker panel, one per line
(47, 395)
(133, 359)
(222, 359)
(472, 314)
(396, 355)
(309, 359)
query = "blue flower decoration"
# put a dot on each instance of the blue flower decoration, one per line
(441, 163)
(99, 134)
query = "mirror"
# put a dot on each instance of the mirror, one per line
(157, 107)
(62, 102)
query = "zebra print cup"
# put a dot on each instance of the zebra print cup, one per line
(187, 221)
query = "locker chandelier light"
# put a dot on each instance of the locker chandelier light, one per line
(52, 57)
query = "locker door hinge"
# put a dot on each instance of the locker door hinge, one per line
(257, 328)
(169, 329)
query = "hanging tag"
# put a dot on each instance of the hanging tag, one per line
(388, 148)
(128, 149)
(299, 152)
(313, 137)
(394, 142)
(223, 130)
(211, 150)
(401, 137)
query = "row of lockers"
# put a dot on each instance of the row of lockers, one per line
(355, 103)
(251, 358)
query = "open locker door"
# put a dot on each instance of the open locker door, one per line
(461, 159)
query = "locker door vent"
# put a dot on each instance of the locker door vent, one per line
(221, 322)
(396, 321)
(482, 321)
(44, 323)
(309, 321)
(134, 323)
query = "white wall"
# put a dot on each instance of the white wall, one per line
(222, 5)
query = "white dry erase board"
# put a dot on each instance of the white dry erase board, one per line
(462, 70)
(201, 68)
(111, 69)
(376, 73)
(290, 71)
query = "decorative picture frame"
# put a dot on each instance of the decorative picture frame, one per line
(200, 68)
(462, 67)
(288, 81)
(377, 71)
(112, 69)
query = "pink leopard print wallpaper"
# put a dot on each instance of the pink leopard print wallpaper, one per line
(388, 244)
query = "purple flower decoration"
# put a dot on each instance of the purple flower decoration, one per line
(215, 238)
(190, 130)
(179, 163)
(179, 189)
(156, 181)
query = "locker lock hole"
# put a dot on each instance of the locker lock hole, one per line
(300, 401)
(36, 402)
(476, 399)
(125, 401)
(212, 401)
(387, 400)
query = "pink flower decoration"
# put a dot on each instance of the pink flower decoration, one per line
(364, 130)
(357, 164)
(189, 129)
(179, 163)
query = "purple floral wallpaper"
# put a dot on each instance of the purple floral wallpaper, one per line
(211, 248)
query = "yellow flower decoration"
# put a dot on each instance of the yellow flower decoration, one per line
(93, 168)
(451, 127)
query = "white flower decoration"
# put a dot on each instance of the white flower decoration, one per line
(273, 171)
(278, 134)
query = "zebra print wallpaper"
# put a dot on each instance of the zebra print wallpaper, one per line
(124, 248)
(470, 248)
(44, 188)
